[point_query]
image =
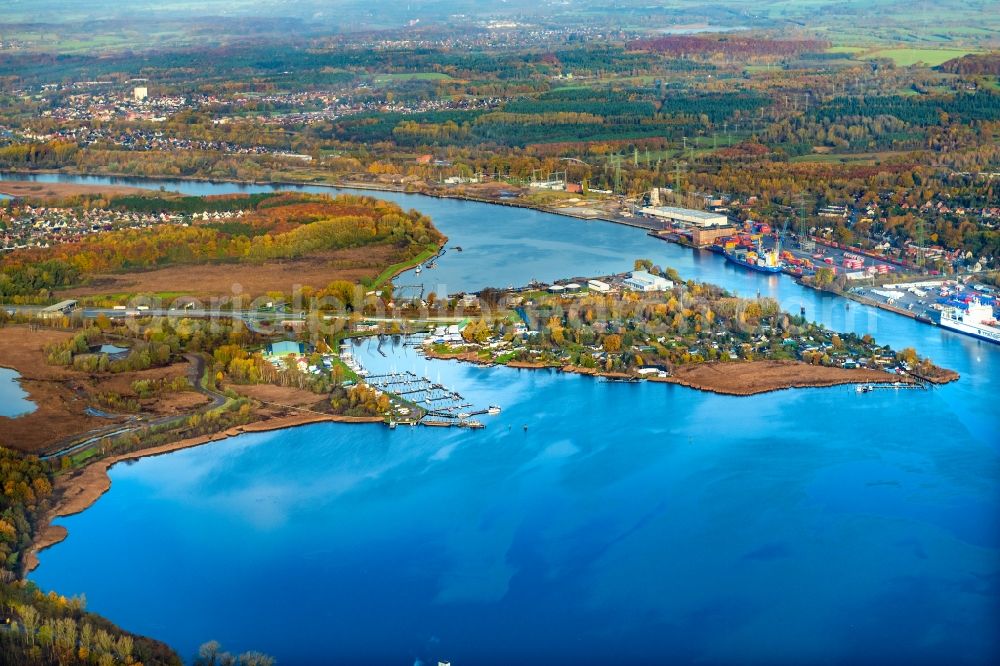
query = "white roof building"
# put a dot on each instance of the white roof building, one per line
(646, 281)
(598, 286)
(687, 216)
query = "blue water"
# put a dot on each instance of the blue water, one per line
(639, 523)
(112, 349)
(13, 399)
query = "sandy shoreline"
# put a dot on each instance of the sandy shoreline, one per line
(79, 490)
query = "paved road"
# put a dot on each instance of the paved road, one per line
(133, 423)
(249, 316)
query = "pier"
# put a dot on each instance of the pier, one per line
(868, 388)
(435, 403)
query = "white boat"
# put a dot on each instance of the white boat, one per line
(976, 319)
(417, 270)
(493, 410)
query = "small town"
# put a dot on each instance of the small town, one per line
(648, 322)
(24, 226)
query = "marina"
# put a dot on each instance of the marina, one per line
(417, 399)
(549, 513)
(895, 386)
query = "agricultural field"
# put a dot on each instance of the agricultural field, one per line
(906, 57)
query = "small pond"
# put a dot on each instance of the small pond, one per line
(13, 399)
(112, 349)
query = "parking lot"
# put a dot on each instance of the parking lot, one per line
(926, 298)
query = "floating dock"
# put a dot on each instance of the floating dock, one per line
(437, 405)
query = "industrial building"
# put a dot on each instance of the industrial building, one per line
(60, 308)
(598, 286)
(686, 216)
(285, 347)
(646, 281)
(705, 236)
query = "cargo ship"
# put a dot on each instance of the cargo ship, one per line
(976, 319)
(763, 261)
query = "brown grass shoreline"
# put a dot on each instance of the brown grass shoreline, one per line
(738, 378)
(756, 377)
(35, 189)
(79, 490)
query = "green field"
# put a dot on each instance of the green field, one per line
(387, 274)
(904, 57)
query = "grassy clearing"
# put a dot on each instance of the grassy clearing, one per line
(389, 272)
(905, 57)
(107, 300)
(77, 459)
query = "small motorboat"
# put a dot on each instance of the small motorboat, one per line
(493, 410)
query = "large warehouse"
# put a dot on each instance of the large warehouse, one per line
(686, 216)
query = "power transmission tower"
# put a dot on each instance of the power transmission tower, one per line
(678, 167)
(920, 237)
(805, 241)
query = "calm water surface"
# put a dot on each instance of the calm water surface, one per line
(637, 523)
(112, 349)
(13, 399)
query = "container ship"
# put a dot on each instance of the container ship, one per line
(975, 319)
(763, 261)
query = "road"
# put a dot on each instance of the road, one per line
(133, 423)
(248, 316)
